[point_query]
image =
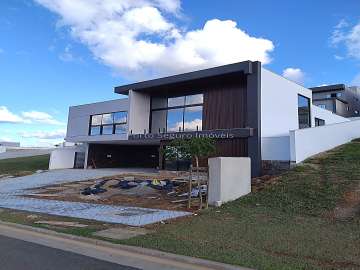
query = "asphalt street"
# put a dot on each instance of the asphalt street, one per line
(20, 255)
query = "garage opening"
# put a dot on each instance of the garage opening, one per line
(119, 156)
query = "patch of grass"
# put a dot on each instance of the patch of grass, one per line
(24, 165)
(284, 226)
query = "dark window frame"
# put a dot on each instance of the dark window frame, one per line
(113, 124)
(319, 122)
(309, 106)
(167, 108)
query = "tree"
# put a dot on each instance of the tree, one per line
(185, 149)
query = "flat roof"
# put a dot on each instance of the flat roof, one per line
(328, 88)
(245, 67)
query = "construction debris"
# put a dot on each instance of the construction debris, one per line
(164, 191)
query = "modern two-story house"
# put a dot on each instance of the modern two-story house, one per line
(338, 98)
(246, 108)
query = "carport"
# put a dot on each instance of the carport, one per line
(120, 156)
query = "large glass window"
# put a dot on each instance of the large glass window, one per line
(193, 118)
(108, 123)
(194, 99)
(96, 130)
(175, 120)
(176, 114)
(176, 101)
(96, 120)
(158, 121)
(120, 117)
(304, 112)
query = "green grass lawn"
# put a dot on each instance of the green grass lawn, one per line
(24, 165)
(288, 225)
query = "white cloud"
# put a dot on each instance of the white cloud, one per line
(189, 125)
(294, 74)
(339, 57)
(40, 117)
(31, 117)
(7, 116)
(138, 38)
(67, 55)
(349, 36)
(57, 134)
(356, 80)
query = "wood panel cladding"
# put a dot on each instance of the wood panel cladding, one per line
(225, 104)
(225, 107)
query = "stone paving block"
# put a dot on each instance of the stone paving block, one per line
(12, 191)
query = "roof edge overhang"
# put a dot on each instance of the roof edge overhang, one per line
(245, 67)
(328, 88)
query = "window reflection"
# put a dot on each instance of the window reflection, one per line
(176, 101)
(159, 102)
(175, 120)
(304, 112)
(108, 123)
(158, 121)
(107, 119)
(186, 117)
(120, 117)
(96, 120)
(193, 118)
(95, 130)
(120, 129)
(194, 99)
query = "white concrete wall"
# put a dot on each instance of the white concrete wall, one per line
(307, 142)
(275, 148)
(139, 112)
(279, 104)
(79, 120)
(329, 117)
(62, 158)
(229, 179)
(2, 149)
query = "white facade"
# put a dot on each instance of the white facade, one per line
(279, 115)
(279, 104)
(79, 120)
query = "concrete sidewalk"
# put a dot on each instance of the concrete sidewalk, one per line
(146, 259)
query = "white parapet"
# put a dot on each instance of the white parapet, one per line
(229, 179)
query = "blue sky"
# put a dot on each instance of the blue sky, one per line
(58, 53)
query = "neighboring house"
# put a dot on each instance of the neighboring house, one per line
(249, 110)
(338, 98)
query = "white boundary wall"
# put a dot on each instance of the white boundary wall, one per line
(307, 142)
(64, 158)
(229, 179)
(275, 148)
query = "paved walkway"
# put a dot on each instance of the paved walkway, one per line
(13, 189)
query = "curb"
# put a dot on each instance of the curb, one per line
(133, 249)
